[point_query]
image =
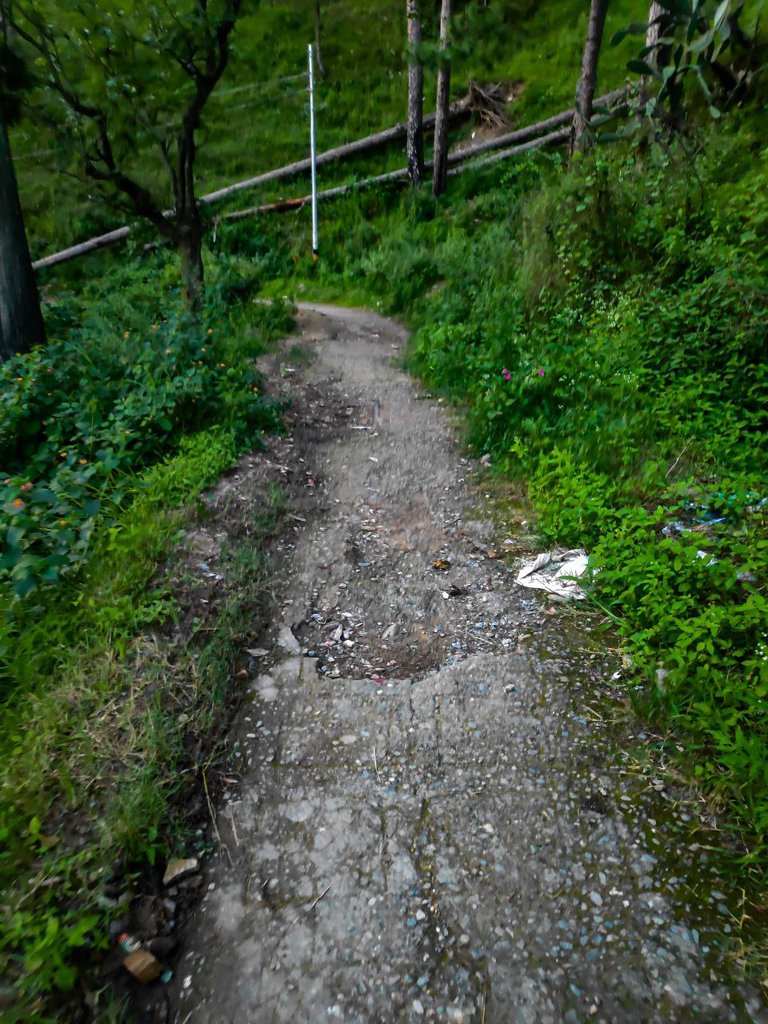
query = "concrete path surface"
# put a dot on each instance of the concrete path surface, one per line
(435, 821)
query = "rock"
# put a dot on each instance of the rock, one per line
(143, 966)
(179, 868)
(287, 642)
(193, 882)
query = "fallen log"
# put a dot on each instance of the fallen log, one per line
(286, 205)
(458, 109)
(377, 139)
(370, 142)
(83, 248)
(532, 130)
(544, 140)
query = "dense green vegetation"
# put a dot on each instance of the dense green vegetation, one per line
(602, 325)
(110, 435)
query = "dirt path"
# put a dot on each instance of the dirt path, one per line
(433, 821)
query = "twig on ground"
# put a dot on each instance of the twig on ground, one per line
(211, 812)
(327, 889)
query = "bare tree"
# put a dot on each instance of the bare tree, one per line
(415, 143)
(21, 320)
(655, 19)
(440, 171)
(655, 24)
(585, 91)
(96, 72)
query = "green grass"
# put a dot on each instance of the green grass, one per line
(96, 762)
(109, 436)
(264, 123)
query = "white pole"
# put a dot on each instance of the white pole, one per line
(313, 152)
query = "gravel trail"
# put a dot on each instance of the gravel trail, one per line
(434, 821)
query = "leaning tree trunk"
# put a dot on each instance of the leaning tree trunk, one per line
(21, 322)
(189, 246)
(415, 146)
(440, 170)
(585, 91)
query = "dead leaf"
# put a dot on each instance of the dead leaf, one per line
(442, 564)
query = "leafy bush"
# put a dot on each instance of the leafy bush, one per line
(81, 415)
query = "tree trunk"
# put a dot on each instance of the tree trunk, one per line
(318, 53)
(655, 17)
(415, 147)
(655, 58)
(21, 322)
(189, 246)
(585, 91)
(440, 170)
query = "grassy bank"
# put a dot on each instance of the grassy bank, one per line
(110, 435)
(257, 118)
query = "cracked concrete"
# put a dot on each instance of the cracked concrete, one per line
(434, 823)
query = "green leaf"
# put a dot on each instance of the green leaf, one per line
(702, 42)
(641, 67)
(636, 28)
(64, 977)
(722, 13)
(24, 585)
(14, 536)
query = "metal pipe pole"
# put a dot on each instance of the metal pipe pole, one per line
(313, 151)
